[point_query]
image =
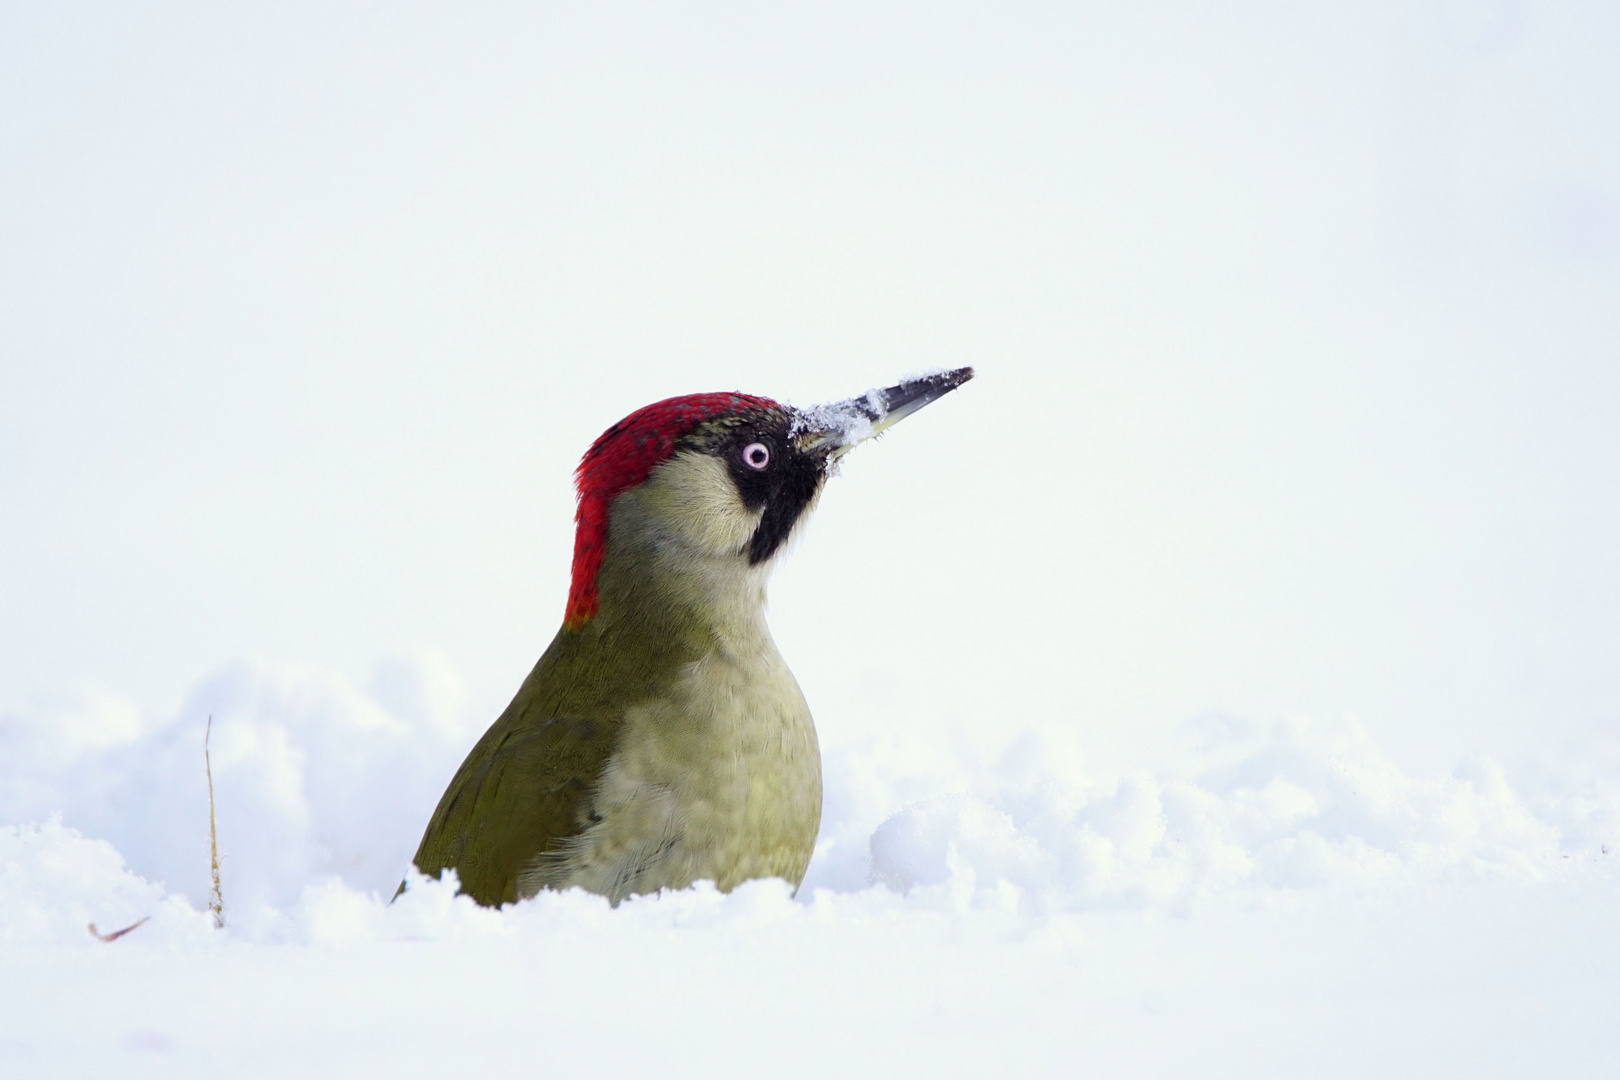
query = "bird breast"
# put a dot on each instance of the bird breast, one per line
(719, 779)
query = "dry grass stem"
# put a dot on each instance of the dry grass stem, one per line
(116, 934)
(216, 899)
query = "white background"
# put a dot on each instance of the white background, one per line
(1297, 338)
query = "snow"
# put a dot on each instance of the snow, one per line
(843, 423)
(1279, 889)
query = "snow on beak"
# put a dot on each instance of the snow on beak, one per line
(838, 428)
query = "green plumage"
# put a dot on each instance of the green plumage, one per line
(527, 786)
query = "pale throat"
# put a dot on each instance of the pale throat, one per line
(685, 532)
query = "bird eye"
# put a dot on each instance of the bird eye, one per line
(756, 455)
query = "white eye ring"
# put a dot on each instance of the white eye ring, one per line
(756, 455)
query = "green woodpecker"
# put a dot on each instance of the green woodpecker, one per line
(661, 740)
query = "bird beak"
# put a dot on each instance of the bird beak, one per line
(838, 428)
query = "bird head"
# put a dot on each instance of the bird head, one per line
(721, 479)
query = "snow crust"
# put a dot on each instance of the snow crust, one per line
(849, 421)
(1279, 884)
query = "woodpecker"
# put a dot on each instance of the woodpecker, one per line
(661, 740)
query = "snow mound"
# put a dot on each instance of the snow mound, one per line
(313, 776)
(323, 788)
(60, 888)
(1279, 807)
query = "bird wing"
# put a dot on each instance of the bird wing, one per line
(529, 785)
(523, 791)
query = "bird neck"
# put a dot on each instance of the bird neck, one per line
(662, 580)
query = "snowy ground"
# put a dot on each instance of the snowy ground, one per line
(1280, 901)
